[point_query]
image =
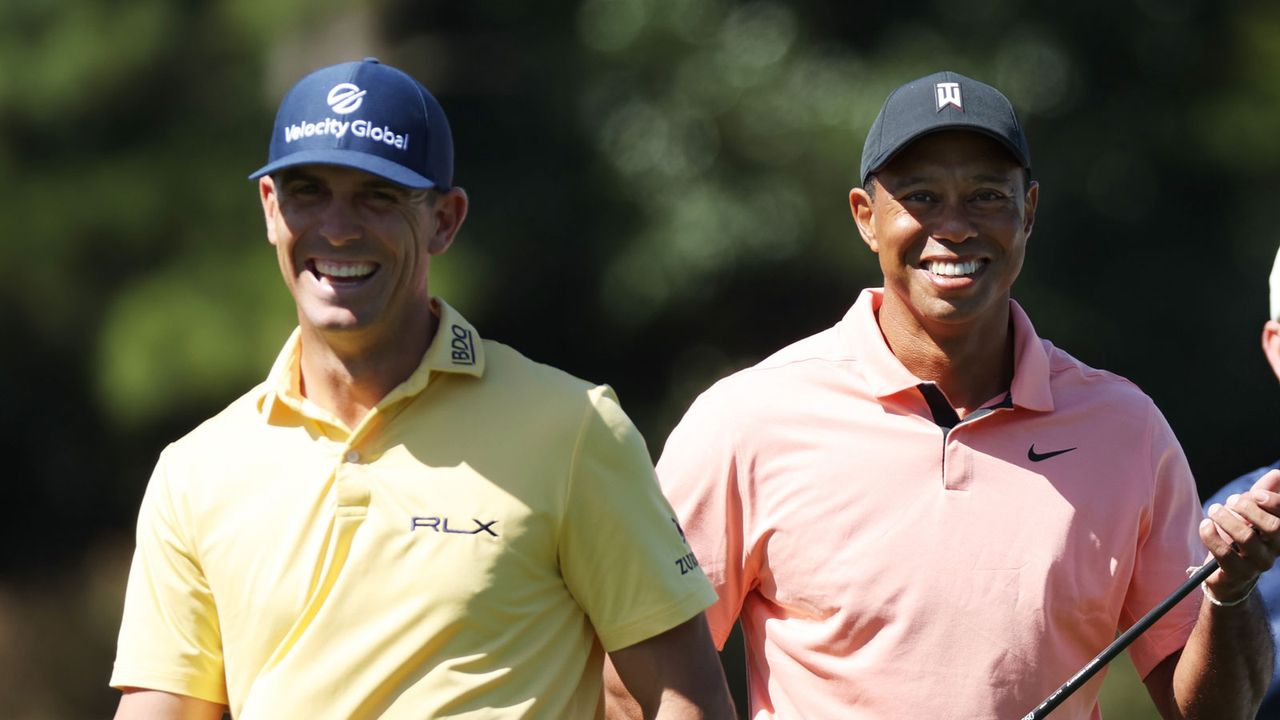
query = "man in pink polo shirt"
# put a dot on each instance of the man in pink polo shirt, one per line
(928, 511)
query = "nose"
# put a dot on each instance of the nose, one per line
(953, 223)
(339, 223)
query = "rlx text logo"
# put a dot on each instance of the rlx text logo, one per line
(441, 525)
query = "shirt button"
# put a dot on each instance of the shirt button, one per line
(352, 456)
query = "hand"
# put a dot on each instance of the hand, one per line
(1244, 535)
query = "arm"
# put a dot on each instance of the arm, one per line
(675, 674)
(170, 637)
(142, 704)
(1226, 665)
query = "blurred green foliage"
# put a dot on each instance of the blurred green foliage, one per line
(659, 196)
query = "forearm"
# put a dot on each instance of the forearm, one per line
(707, 700)
(672, 676)
(673, 705)
(702, 704)
(1226, 665)
(618, 702)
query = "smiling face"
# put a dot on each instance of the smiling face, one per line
(354, 248)
(949, 219)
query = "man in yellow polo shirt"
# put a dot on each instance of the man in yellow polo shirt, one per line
(404, 520)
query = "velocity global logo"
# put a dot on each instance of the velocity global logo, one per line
(345, 98)
(339, 128)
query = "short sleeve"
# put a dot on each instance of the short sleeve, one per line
(622, 554)
(1170, 545)
(169, 636)
(698, 472)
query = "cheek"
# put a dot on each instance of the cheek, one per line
(286, 242)
(900, 237)
(1015, 255)
(1019, 254)
(411, 246)
(288, 268)
(419, 231)
(283, 231)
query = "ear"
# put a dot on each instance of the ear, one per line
(1029, 207)
(270, 205)
(1271, 345)
(450, 211)
(862, 207)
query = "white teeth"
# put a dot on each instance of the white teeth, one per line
(344, 269)
(951, 269)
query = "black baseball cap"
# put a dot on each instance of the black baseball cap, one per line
(367, 116)
(941, 101)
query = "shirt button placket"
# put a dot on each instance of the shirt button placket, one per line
(957, 462)
(352, 488)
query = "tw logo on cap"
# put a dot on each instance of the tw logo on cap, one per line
(948, 93)
(345, 98)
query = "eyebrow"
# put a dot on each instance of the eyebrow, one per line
(992, 178)
(291, 174)
(384, 185)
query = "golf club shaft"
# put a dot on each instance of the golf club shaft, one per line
(1043, 709)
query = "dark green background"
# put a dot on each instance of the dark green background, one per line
(659, 197)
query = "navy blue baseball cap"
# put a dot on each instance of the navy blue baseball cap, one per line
(941, 101)
(367, 116)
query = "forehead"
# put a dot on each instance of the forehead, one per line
(953, 151)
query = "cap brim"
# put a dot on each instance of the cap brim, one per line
(371, 164)
(1015, 152)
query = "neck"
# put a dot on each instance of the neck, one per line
(348, 373)
(970, 362)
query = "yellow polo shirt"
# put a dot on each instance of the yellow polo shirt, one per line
(469, 550)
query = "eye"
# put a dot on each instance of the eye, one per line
(303, 188)
(917, 196)
(382, 198)
(988, 195)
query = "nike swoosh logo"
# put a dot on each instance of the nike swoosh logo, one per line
(1034, 456)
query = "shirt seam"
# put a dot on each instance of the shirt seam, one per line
(573, 464)
(1151, 467)
(738, 465)
(681, 610)
(1174, 638)
(195, 685)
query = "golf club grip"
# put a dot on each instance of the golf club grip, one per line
(1128, 636)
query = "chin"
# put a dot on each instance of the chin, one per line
(969, 310)
(333, 320)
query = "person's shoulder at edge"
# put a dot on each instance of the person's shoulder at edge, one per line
(505, 364)
(755, 390)
(213, 428)
(557, 397)
(1072, 379)
(1240, 484)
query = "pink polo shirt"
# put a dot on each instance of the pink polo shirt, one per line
(885, 567)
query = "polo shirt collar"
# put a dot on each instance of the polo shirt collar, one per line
(456, 348)
(859, 332)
